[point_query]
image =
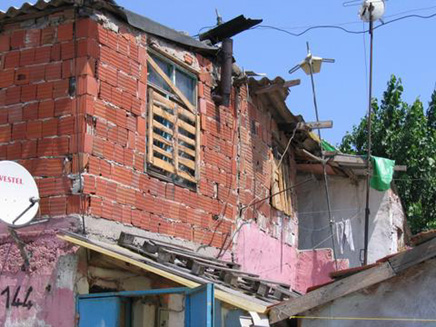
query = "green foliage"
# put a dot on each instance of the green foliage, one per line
(406, 134)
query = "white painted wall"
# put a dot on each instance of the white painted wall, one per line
(348, 202)
(410, 295)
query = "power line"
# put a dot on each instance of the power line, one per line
(340, 27)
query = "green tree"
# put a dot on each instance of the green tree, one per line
(406, 134)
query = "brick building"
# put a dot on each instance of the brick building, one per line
(117, 119)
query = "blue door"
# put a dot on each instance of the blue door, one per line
(200, 303)
(99, 312)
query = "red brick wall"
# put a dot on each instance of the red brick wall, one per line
(37, 120)
(101, 132)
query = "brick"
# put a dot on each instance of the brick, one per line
(13, 151)
(61, 146)
(53, 71)
(5, 133)
(46, 109)
(15, 114)
(73, 204)
(19, 131)
(86, 28)
(49, 167)
(17, 39)
(123, 45)
(47, 35)
(2, 101)
(5, 43)
(50, 127)
(67, 50)
(34, 129)
(85, 66)
(60, 88)
(28, 92)
(63, 107)
(87, 85)
(44, 91)
(127, 83)
(58, 206)
(55, 53)
(36, 73)
(66, 126)
(42, 55)
(30, 111)
(33, 38)
(12, 59)
(108, 74)
(67, 68)
(105, 91)
(27, 57)
(88, 47)
(28, 149)
(13, 95)
(65, 32)
(6, 78)
(141, 126)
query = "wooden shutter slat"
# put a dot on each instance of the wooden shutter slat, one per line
(186, 126)
(150, 125)
(186, 139)
(167, 154)
(183, 148)
(188, 163)
(159, 138)
(164, 114)
(162, 164)
(187, 176)
(163, 102)
(163, 128)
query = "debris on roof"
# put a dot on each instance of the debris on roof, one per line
(198, 268)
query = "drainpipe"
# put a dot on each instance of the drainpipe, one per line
(226, 73)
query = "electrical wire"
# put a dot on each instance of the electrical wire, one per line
(340, 27)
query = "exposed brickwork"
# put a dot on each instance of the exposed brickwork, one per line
(73, 99)
(37, 113)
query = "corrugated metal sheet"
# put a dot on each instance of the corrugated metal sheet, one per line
(28, 8)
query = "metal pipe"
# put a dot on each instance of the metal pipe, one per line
(368, 159)
(326, 185)
(226, 73)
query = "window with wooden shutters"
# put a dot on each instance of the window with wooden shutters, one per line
(173, 122)
(281, 183)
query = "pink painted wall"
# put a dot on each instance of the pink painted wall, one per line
(266, 256)
(49, 289)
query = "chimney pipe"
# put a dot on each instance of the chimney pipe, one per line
(226, 73)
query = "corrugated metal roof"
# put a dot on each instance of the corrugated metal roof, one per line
(140, 22)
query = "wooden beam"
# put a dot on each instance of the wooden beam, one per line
(331, 292)
(167, 80)
(407, 259)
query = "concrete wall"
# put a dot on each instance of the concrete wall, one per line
(410, 295)
(348, 202)
(44, 293)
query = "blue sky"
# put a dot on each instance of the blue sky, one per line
(405, 48)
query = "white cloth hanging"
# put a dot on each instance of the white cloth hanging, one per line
(344, 235)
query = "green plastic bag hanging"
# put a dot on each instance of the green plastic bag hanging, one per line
(383, 171)
(326, 146)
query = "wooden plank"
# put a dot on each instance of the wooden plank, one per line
(167, 154)
(175, 141)
(277, 87)
(182, 278)
(164, 114)
(186, 139)
(186, 126)
(186, 176)
(163, 101)
(159, 138)
(163, 165)
(186, 113)
(197, 148)
(158, 125)
(183, 148)
(167, 80)
(331, 292)
(187, 163)
(151, 94)
(407, 259)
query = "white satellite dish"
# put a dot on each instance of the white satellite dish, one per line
(19, 196)
(372, 10)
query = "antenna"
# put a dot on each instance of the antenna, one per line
(312, 65)
(219, 18)
(370, 11)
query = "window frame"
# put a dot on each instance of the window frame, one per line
(180, 174)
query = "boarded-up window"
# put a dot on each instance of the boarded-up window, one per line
(173, 122)
(281, 183)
